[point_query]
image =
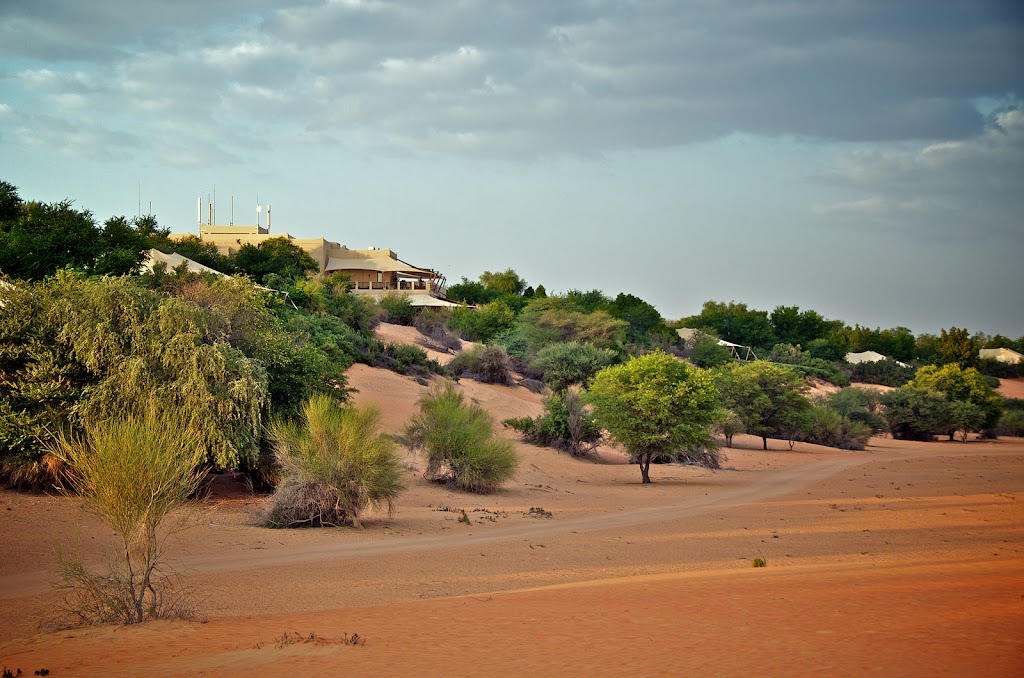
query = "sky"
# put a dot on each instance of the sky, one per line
(861, 158)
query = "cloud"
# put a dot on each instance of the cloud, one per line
(517, 79)
(965, 188)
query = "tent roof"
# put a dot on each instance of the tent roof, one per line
(1003, 355)
(175, 260)
(382, 264)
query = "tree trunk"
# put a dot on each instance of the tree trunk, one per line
(764, 441)
(645, 467)
(728, 441)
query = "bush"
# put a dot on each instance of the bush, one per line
(707, 352)
(886, 372)
(915, 413)
(397, 309)
(458, 438)
(481, 324)
(787, 354)
(1011, 424)
(859, 404)
(132, 470)
(824, 426)
(488, 364)
(433, 324)
(336, 464)
(570, 362)
(401, 358)
(566, 424)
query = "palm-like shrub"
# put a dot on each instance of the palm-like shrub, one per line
(459, 440)
(133, 471)
(335, 463)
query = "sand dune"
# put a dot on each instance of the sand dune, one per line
(905, 559)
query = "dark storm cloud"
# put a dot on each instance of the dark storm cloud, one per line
(526, 78)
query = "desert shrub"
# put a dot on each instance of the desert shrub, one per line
(859, 404)
(459, 441)
(707, 352)
(886, 372)
(335, 464)
(488, 364)
(481, 324)
(709, 456)
(566, 424)
(825, 426)
(728, 425)
(570, 362)
(397, 309)
(433, 324)
(1011, 424)
(74, 350)
(1000, 370)
(787, 354)
(915, 413)
(401, 358)
(133, 470)
(511, 339)
(553, 320)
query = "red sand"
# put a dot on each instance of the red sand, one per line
(906, 559)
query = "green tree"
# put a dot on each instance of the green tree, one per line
(964, 417)
(734, 322)
(46, 238)
(767, 397)
(654, 406)
(956, 346)
(503, 282)
(554, 320)
(639, 315)
(962, 385)
(275, 255)
(915, 413)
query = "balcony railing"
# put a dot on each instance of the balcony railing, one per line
(414, 286)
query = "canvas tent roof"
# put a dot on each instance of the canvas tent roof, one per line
(382, 264)
(1003, 355)
(868, 357)
(688, 334)
(174, 260)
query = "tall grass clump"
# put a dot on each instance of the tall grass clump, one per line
(336, 464)
(459, 441)
(133, 471)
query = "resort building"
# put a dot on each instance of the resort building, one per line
(373, 271)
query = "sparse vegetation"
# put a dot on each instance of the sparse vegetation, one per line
(459, 441)
(133, 470)
(566, 424)
(489, 364)
(335, 463)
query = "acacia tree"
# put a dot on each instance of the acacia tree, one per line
(963, 385)
(769, 398)
(654, 406)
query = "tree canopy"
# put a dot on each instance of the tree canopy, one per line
(655, 405)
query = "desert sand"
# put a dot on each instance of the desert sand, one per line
(903, 559)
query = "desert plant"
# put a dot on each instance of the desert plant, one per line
(133, 471)
(566, 424)
(488, 364)
(336, 464)
(433, 324)
(729, 425)
(915, 413)
(397, 309)
(459, 441)
(570, 362)
(655, 405)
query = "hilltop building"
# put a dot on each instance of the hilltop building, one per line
(1003, 355)
(373, 271)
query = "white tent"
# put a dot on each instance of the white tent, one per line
(1003, 355)
(868, 357)
(175, 260)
